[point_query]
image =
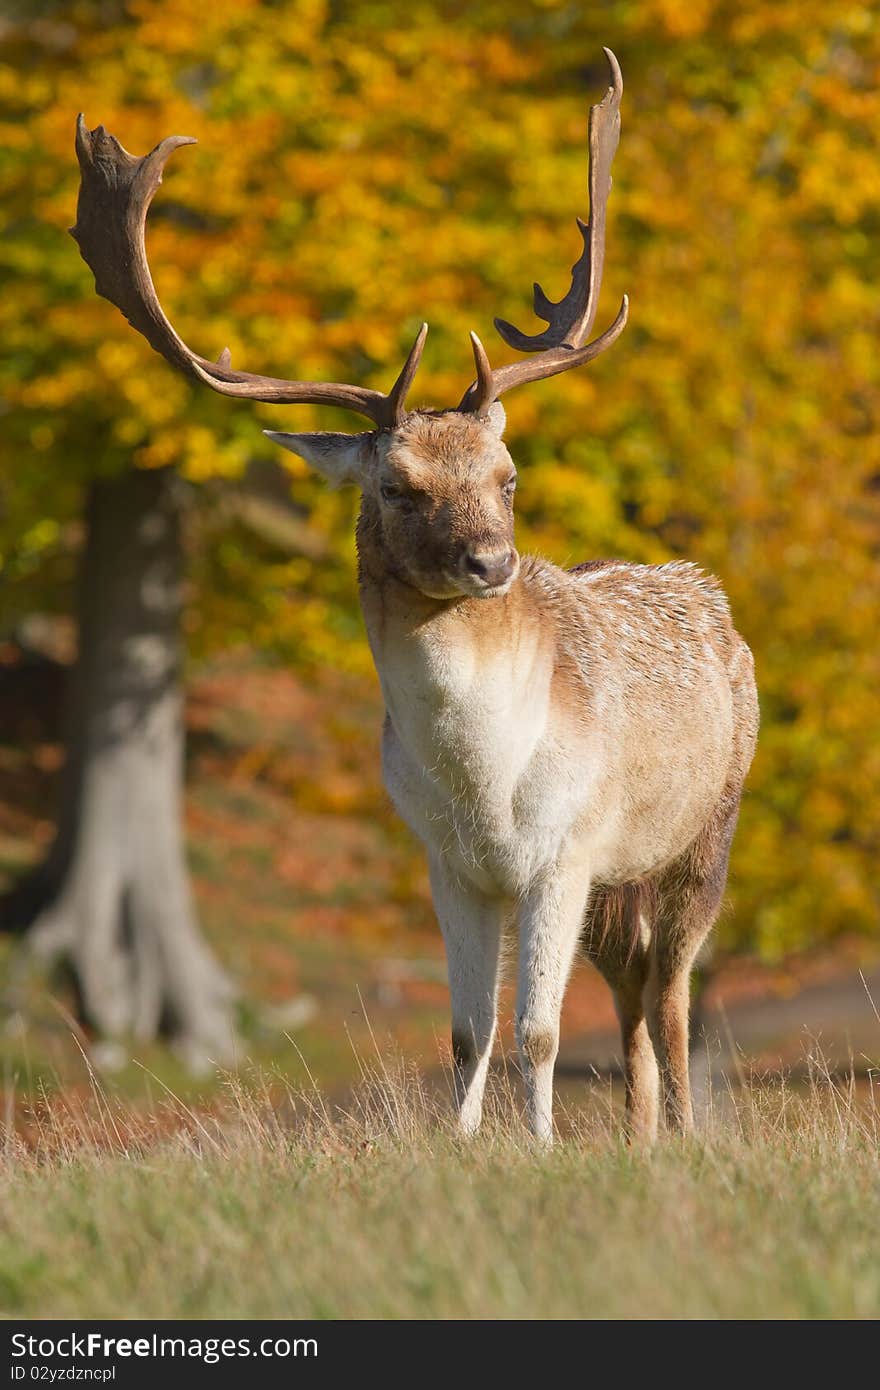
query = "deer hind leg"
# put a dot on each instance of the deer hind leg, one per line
(690, 894)
(617, 940)
(472, 926)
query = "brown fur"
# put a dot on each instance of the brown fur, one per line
(451, 501)
(639, 740)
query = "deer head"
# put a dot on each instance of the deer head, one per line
(437, 496)
(437, 485)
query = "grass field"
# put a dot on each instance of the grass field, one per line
(272, 1205)
(240, 1199)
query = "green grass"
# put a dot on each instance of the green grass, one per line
(272, 1206)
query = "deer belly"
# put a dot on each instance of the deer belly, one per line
(665, 790)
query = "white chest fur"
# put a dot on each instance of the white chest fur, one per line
(471, 754)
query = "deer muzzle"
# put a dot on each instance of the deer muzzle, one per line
(489, 571)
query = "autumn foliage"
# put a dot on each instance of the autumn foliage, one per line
(362, 167)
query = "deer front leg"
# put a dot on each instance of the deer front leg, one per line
(550, 923)
(472, 926)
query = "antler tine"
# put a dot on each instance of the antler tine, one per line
(483, 392)
(564, 343)
(116, 191)
(401, 388)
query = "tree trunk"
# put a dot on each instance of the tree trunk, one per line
(112, 898)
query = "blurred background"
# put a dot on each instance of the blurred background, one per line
(361, 167)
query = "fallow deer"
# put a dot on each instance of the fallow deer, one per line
(570, 746)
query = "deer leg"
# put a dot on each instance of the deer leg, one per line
(690, 897)
(550, 924)
(616, 939)
(670, 1020)
(640, 1064)
(472, 926)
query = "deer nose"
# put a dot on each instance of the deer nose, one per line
(494, 567)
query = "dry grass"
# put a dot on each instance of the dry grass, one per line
(272, 1205)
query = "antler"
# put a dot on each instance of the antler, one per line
(563, 344)
(116, 190)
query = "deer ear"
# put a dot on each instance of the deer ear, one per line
(340, 458)
(496, 419)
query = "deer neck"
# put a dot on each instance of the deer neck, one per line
(457, 674)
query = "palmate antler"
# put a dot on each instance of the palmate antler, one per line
(116, 191)
(563, 345)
